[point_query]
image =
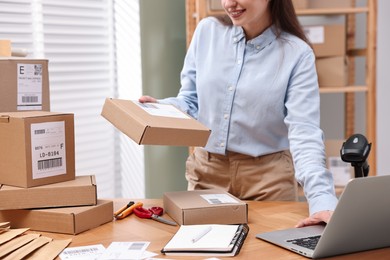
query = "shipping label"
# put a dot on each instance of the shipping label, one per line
(48, 149)
(156, 109)
(315, 34)
(29, 78)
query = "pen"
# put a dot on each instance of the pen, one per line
(201, 234)
(129, 210)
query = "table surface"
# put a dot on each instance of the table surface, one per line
(263, 216)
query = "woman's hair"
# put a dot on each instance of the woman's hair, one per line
(283, 18)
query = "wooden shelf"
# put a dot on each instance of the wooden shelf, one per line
(332, 11)
(346, 89)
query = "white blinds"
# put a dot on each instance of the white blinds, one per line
(78, 44)
(16, 23)
(80, 40)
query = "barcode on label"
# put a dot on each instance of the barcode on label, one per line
(39, 131)
(136, 246)
(29, 99)
(81, 251)
(215, 201)
(50, 163)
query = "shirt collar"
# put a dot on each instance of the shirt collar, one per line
(258, 43)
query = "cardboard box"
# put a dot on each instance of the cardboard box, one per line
(300, 4)
(211, 206)
(332, 71)
(78, 192)
(69, 220)
(5, 48)
(215, 5)
(24, 84)
(327, 40)
(155, 124)
(342, 171)
(37, 148)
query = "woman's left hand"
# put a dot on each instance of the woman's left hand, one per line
(316, 218)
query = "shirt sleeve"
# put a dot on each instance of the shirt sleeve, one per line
(305, 136)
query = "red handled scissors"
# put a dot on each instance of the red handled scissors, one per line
(153, 213)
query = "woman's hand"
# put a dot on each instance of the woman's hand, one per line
(146, 99)
(316, 218)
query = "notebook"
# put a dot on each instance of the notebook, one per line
(207, 240)
(360, 222)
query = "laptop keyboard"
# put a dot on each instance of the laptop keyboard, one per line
(307, 242)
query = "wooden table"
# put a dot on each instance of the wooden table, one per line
(263, 216)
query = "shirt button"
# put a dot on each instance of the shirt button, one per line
(238, 61)
(257, 47)
(226, 116)
(222, 145)
(230, 88)
(235, 39)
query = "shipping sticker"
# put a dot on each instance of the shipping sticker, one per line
(315, 34)
(341, 171)
(29, 78)
(48, 149)
(218, 199)
(156, 109)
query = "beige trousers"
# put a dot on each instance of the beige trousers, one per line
(268, 177)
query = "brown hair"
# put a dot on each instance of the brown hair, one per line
(283, 17)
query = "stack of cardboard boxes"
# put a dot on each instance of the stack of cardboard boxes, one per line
(329, 43)
(38, 185)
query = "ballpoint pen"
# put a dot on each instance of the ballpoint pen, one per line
(201, 234)
(128, 210)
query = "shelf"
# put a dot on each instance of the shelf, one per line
(332, 11)
(346, 89)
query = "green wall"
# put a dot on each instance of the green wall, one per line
(163, 47)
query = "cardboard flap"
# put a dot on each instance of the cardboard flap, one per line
(4, 119)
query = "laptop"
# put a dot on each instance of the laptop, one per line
(360, 222)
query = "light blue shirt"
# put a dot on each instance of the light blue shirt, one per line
(258, 97)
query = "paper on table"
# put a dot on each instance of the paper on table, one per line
(218, 238)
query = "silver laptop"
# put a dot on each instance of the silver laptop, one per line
(360, 222)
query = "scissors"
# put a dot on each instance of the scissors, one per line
(153, 213)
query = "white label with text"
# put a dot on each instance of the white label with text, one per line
(29, 78)
(48, 149)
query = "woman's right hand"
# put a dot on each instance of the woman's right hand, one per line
(147, 99)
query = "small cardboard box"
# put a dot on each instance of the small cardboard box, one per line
(327, 40)
(155, 124)
(300, 4)
(78, 192)
(211, 206)
(332, 71)
(69, 220)
(24, 84)
(37, 148)
(342, 171)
